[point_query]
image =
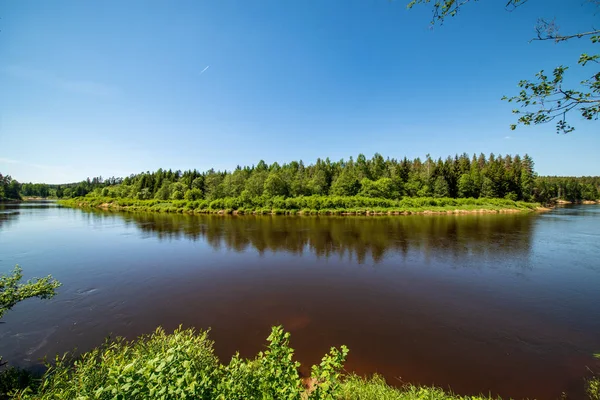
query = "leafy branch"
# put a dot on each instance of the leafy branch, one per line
(553, 101)
(12, 291)
(543, 99)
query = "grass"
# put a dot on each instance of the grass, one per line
(308, 205)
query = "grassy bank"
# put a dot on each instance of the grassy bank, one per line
(306, 205)
(182, 365)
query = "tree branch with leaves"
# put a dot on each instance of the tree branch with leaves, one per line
(545, 98)
(13, 291)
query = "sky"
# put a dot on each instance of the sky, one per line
(111, 88)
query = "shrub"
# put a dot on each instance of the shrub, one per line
(172, 366)
(182, 365)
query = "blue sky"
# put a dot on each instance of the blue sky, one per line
(119, 87)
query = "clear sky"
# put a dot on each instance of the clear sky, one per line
(91, 88)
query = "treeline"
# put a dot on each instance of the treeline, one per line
(455, 177)
(67, 190)
(9, 188)
(464, 176)
(568, 188)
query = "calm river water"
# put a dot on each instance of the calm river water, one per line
(507, 304)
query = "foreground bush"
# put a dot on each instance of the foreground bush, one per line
(182, 365)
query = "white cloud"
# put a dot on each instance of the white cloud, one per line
(204, 70)
(49, 79)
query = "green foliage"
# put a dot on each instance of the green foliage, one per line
(12, 291)
(574, 189)
(381, 188)
(143, 194)
(176, 366)
(545, 98)
(177, 195)
(182, 365)
(9, 188)
(305, 204)
(328, 374)
(593, 389)
(553, 102)
(346, 184)
(164, 193)
(37, 190)
(193, 194)
(488, 189)
(440, 187)
(375, 178)
(340, 186)
(275, 185)
(467, 186)
(277, 372)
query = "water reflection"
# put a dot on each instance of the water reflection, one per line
(8, 215)
(363, 239)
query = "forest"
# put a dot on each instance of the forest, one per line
(462, 176)
(9, 188)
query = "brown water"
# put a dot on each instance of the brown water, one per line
(507, 304)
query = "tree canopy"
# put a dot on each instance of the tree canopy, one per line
(546, 97)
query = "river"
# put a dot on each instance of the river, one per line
(501, 303)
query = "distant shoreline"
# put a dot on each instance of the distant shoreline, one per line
(566, 202)
(494, 206)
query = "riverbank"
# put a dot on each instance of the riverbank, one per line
(311, 205)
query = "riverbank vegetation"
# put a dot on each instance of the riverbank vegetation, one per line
(570, 189)
(375, 185)
(183, 365)
(306, 205)
(9, 188)
(458, 177)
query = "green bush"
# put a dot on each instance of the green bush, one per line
(181, 365)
